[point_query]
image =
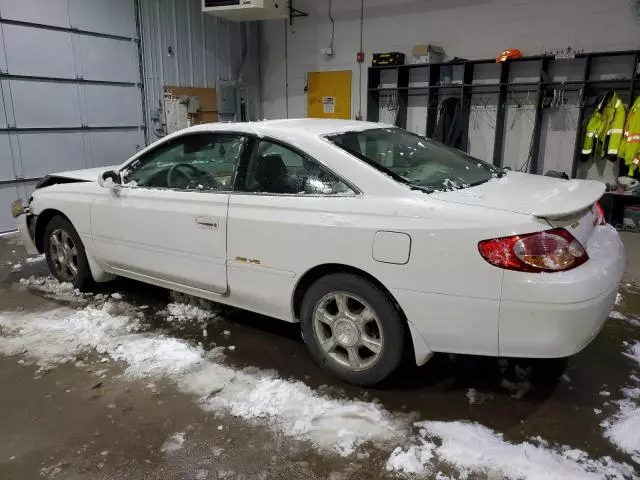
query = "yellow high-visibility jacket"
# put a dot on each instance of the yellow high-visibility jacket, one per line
(605, 127)
(630, 146)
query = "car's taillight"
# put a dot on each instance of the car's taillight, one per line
(549, 251)
(600, 213)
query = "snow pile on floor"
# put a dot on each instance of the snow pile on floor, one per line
(470, 447)
(60, 335)
(296, 410)
(413, 460)
(623, 428)
(174, 443)
(617, 315)
(51, 288)
(37, 259)
(186, 309)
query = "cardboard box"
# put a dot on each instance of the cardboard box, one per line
(427, 54)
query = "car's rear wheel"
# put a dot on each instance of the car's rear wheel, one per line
(65, 254)
(352, 328)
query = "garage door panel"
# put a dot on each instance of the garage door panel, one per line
(6, 108)
(108, 59)
(72, 98)
(45, 153)
(38, 52)
(115, 17)
(8, 193)
(3, 117)
(113, 148)
(3, 62)
(6, 164)
(113, 106)
(49, 12)
(45, 104)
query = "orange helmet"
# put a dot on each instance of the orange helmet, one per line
(507, 54)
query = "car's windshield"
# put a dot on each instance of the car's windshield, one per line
(415, 160)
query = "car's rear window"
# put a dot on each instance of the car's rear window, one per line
(415, 160)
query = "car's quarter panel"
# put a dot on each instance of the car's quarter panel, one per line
(447, 291)
(175, 236)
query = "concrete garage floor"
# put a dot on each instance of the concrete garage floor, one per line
(89, 418)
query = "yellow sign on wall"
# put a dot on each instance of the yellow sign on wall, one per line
(329, 94)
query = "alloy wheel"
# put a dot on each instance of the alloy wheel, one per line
(64, 255)
(348, 330)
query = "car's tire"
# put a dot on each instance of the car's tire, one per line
(65, 254)
(352, 328)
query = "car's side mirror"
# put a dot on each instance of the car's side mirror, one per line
(109, 179)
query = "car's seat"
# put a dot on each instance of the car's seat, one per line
(271, 174)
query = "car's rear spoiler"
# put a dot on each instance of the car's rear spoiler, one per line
(578, 197)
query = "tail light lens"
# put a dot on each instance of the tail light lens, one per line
(600, 213)
(549, 251)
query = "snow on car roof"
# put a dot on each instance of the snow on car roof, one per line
(300, 126)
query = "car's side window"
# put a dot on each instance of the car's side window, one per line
(276, 169)
(193, 162)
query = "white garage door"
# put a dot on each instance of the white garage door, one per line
(70, 90)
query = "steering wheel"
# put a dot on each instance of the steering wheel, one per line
(173, 171)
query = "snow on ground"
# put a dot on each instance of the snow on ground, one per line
(471, 447)
(111, 327)
(414, 460)
(60, 335)
(37, 259)
(51, 288)
(186, 309)
(623, 428)
(174, 443)
(617, 315)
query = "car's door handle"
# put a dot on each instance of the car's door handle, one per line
(207, 222)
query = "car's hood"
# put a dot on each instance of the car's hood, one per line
(530, 194)
(88, 174)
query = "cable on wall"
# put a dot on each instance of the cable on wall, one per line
(360, 64)
(286, 68)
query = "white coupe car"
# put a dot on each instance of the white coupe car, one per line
(379, 242)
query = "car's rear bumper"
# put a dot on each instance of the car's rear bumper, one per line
(547, 315)
(26, 233)
(558, 314)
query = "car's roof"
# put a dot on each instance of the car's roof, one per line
(299, 126)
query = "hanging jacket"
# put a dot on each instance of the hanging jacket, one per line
(605, 127)
(630, 146)
(449, 127)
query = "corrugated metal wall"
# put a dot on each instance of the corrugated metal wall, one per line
(184, 47)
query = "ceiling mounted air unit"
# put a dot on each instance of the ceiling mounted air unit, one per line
(247, 10)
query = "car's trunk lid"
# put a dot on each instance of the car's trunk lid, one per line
(536, 195)
(563, 203)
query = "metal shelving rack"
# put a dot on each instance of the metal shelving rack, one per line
(440, 84)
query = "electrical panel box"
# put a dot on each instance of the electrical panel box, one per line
(247, 10)
(227, 101)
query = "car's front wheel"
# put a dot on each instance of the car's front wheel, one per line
(65, 254)
(352, 328)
